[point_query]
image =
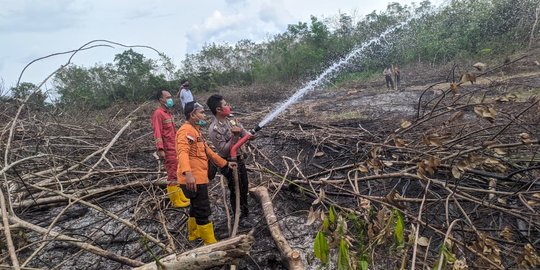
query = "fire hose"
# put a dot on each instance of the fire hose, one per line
(233, 157)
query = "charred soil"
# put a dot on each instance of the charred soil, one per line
(458, 161)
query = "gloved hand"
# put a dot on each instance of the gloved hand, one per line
(228, 168)
(225, 170)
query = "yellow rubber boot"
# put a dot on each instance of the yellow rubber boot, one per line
(182, 196)
(206, 232)
(192, 228)
(174, 196)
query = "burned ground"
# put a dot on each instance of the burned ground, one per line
(460, 164)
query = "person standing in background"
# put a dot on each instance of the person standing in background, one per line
(185, 95)
(388, 77)
(164, 136)
(397, 76)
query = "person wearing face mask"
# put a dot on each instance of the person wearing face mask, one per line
(164, 136)
(224, 132)
(193, 155)
(185, 95)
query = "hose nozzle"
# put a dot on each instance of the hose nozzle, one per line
(254, 130)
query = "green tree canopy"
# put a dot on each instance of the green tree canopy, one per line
(414, 33)
(37, 98)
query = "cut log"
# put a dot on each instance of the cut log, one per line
(291, 255)
(221, 253)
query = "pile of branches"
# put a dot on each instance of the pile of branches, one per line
(464, 172)
(85, 190)
(90, 166)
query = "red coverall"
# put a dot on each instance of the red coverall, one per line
(164, 134)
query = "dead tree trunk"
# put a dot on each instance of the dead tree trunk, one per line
(291, 255)
(221, 253)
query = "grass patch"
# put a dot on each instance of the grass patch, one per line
(355, 77)
(524, 94)
(346, 116)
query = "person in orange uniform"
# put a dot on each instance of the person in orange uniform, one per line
(164, 135)
(193, 155)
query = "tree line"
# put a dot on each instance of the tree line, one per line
(457, 30)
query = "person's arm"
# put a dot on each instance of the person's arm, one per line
(219, 161)
(157, 126)
(182, 150)
(181, 97)
(182, 153)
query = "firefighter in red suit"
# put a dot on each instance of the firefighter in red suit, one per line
(164, 135)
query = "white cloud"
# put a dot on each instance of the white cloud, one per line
(37, 16)
(272, 14)
(255, 21)
(213, 29)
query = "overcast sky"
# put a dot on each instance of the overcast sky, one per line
(31, 29)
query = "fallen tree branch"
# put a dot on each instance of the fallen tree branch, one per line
(110, 214)
(91, 193)
(218, 254)
(76, 242)
(111, 143)
(292, 256)
(7, 232)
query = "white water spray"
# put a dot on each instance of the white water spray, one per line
(327, 74)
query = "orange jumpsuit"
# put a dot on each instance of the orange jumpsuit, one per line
(164, 135)
(193, 153)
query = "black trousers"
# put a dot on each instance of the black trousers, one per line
(389, 82)
(243, 182)
(200, 203)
